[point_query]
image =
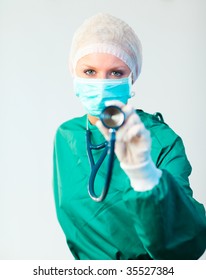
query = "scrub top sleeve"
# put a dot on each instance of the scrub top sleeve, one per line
(169, 221)
(60, 155)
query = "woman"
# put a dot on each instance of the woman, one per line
(149, 211)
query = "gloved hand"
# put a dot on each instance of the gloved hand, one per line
(132, 147)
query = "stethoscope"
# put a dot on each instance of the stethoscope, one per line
(112, 118)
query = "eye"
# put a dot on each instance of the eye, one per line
(89, 72)
(116, 73)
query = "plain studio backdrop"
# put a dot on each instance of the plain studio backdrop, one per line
(36, 96)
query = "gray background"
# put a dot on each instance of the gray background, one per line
(36, 97)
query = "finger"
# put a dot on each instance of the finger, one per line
(120, 150)
(127, 109)
(130, 114)
(137, 131)
(132, 120)
(134, 131)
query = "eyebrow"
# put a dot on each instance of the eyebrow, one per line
(122, 67)
(87, 66)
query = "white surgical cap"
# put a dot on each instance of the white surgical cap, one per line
(104, 33)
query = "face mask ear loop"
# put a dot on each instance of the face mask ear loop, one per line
(132, 94)
(130, 78)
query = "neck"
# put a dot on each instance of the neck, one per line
(92, 119)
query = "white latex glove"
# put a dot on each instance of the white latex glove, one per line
(132, 147)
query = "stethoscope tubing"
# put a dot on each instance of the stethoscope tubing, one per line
(108, 150)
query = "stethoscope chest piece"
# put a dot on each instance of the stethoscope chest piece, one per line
(112, 117)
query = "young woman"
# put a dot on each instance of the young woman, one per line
(148, 211)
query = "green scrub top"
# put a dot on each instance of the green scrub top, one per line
(163, 223)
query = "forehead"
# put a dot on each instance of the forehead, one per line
(101, 60)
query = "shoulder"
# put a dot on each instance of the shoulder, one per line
(70, 128)
(75, 124)
(160, 131)
(167, 145)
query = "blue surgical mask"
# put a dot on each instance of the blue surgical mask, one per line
(93, 93)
